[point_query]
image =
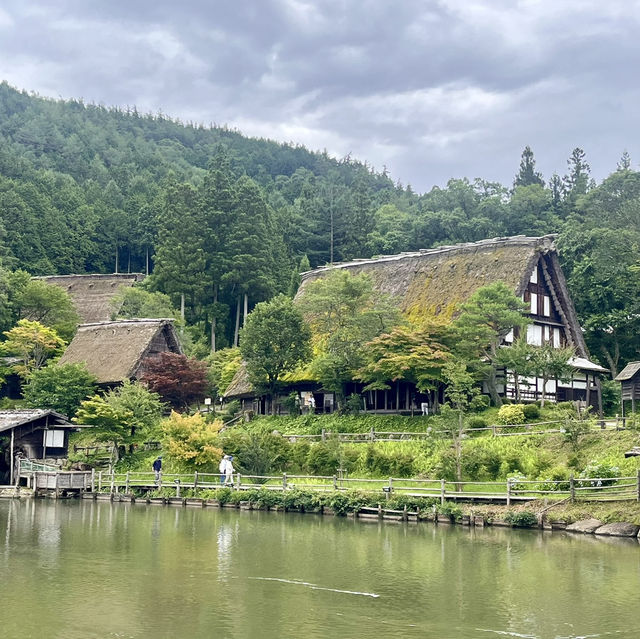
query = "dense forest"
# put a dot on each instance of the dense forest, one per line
(222, 221)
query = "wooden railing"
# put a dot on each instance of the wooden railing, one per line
(509, 491)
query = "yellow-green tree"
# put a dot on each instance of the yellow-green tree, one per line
(191, 439)
(33, 343)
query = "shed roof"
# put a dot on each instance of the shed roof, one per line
(92, 294)
(12, 418)
(113, 351)
(628, 372)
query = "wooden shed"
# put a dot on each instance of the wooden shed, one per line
(629, 378)
(34, 433)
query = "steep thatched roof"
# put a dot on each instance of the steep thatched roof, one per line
(92, 294)
(12, 418)
(114, 351)
(436, 281)
(240, 385)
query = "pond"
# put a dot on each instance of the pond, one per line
(84, 569)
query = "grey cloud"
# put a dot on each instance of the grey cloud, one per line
(429, 89)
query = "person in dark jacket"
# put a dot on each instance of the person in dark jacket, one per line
(157, 468)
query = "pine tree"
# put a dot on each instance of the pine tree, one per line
(528, 174)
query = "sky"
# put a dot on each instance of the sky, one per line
(428, 89)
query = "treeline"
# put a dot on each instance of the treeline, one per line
(224, 221)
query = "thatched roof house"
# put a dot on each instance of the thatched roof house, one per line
(92, 294)
(436, 281)
(115, 351)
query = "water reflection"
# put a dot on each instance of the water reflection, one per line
(97, 569)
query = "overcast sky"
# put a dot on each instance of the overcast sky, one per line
(430, 89)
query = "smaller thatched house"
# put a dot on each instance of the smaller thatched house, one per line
(116, 351)
(35, 434)
(629, 378)
(92, 295)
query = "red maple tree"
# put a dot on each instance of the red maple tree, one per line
(178, 379)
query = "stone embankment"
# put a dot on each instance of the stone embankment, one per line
(596, 527)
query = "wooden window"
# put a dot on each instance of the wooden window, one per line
(547, 306)
(534, 303)
(54, 438)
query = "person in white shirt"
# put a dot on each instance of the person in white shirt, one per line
(229, 470)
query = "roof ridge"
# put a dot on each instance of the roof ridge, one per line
(543, 241)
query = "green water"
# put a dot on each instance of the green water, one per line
(83, 569)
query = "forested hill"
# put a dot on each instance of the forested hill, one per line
(225, 220)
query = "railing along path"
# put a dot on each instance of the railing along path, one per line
(509, 491)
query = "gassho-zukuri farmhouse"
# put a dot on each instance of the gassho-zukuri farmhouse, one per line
(435, 282)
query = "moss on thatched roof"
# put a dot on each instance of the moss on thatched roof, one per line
(436, 281)
(92, 294)
(19, 417)
(114, 351)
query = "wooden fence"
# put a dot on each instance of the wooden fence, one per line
(496, 430)
(510, 491)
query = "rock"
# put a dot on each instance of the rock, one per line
(587, 526)
(622, 529)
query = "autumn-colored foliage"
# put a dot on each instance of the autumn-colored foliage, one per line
(179, 380)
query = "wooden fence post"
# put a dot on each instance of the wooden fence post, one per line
(112, 481)
(390, 485)
(442, 492)
(99, 481)
(93, 480)
(195, 480)
(335, 482)
(323, 435)
(572, 488)
(493, 430)
(239, 482)
(372, 434)
(508, 492)
(638, 490)
(284, 481)
(126, 484)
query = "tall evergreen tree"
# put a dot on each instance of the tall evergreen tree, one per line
(527, 174)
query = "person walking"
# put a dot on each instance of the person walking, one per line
(223, 468)
(157, 469)
(228, 471)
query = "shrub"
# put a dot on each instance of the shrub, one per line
(450, 509)
(511, 414)
(599, 471)
(523, 519)
(479, 403)
(377, 462)
(353, 404)
(323, 458)
(531, 412)
(477, 422)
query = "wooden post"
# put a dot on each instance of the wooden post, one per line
(195, 480)
(335, 482)
(390, 486)
(126, 484)
(405, 517)
(508, 492)
(99, 481)
(112, 480)
(638, 490)
(442, 491)
(284, 481)
(239, 481)
(323, 435)
(493, 430)
(379, 511)
(178, 488)
(372, 434)
(11, 459)
(572, 488)
(56, 485)
(93, 480)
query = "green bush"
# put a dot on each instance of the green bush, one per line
(531, 412)
(323, 458)
(377, 462)
(477, 422)
(450, 509)
(353, 404)
(522, 519)
(511, 414)
(599, 472)
(479, 403)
